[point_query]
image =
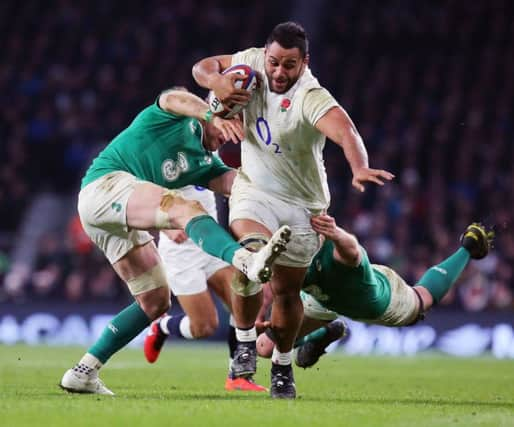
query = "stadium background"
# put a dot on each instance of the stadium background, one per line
(429, 85)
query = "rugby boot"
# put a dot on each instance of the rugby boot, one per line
(477, 240)
(309, 353)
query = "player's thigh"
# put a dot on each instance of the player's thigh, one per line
(287, 280)
(102, 208)
(220, 283)
(137, 261)
(152, 206)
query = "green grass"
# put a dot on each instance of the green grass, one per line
(185, 388)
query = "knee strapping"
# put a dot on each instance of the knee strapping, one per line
(162, 219)
(240, 283)
(174, 198)
(151, 279)
(254, 241)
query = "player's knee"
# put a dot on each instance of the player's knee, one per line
(174, 211)
(152, 291)
(288, 300)
(264, 346)
(195, 208)
(243, 287)
(240, 284)
(156, 307)
(204, 329)
(254, 241)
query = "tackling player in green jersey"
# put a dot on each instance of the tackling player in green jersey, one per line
(342, 281)
(129, 189)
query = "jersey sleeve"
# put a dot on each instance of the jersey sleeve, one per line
(316, 104)
(253, 57)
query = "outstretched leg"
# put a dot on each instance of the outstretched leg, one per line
(437, 280)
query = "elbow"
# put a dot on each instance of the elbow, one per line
(197, 70)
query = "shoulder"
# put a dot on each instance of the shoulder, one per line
(254, 57)
(316, 103)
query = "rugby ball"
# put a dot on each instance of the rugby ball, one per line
(249, 83)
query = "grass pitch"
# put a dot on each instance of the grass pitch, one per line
(185, 388)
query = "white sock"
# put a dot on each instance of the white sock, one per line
(90, 362)
(246, 335)
(185, 328)
(240, 258)
(279, 358)
(163, 323)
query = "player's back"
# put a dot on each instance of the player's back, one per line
(159, 147)
(359, 292)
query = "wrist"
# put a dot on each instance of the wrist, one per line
(208, 116)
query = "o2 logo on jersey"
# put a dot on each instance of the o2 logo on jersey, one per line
(264, 133)
(171, 169)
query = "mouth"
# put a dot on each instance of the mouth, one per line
(280, 84)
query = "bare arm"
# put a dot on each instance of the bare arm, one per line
(187, 104)
(347, 249)
(207, 73)
(223, 184)
(183, 103)
(337, 126)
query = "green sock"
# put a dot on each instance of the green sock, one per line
(119, 332)
(440, 278)
(212, 237)
(313, 336)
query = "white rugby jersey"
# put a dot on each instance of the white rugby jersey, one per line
(282, 153)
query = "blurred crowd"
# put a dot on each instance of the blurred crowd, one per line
(428, 85)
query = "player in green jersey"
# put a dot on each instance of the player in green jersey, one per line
(129, 189)
(342, 281)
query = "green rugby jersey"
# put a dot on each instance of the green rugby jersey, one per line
(159, 147)
(359, 292)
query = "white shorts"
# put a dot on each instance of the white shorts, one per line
(102, 208)
(187, 267)
(403, 307)
(247, 202)
(315, 310)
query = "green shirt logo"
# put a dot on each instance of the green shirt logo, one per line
(171, 169)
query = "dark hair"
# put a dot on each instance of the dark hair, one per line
(290, 35)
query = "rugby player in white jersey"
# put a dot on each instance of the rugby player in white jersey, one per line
(282, 180)
(191, 272)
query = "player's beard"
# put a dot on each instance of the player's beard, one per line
(281, 87)
(287, 84)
